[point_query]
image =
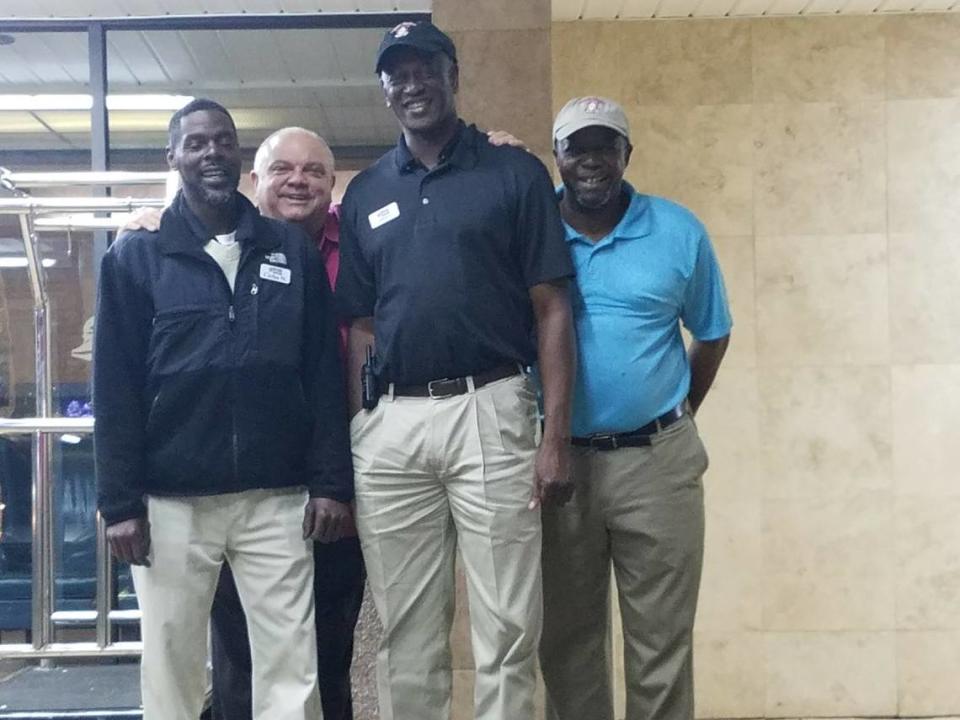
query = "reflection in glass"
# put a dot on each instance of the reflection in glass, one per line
(52, 134)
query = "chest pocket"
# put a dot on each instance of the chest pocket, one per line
(186, 339)
(278, 307)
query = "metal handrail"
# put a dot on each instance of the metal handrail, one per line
(112, 178)
(68, 223)
(71, 650)
(32, 205)
(22, 426)
(43, 616)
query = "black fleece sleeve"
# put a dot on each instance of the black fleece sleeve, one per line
(331, 460)
(121, 335)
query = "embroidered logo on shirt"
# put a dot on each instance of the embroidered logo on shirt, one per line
(384, 215)
(278, 257)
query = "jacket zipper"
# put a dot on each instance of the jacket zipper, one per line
(232, 320)
(234, 382)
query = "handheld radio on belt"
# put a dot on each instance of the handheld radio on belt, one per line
(368, 381)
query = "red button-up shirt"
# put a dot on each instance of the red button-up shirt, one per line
(329, 245)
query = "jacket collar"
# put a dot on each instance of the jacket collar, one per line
(182, 232)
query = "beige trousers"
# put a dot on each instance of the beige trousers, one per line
(260, 533)
(432, 474)
(640, 509)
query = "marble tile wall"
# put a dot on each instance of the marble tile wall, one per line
(824, 156)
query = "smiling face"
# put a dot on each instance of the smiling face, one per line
(591, 163)
(293, 178)
(207, 156)
(420, 88)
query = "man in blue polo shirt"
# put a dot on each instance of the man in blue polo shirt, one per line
(644, 265)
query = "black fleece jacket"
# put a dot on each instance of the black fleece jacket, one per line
(200, 391)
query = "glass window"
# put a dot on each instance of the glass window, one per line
(322, 80)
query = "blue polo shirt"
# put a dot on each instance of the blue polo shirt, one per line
(635, 286)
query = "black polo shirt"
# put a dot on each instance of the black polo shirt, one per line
(443, 259)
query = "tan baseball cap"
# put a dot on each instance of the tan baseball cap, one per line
(589, 111)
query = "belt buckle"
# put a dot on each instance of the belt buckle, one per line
(438, 396)
(595, 441)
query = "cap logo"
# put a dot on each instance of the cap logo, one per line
(403, 29)
(593, 105)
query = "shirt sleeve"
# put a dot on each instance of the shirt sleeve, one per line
(706, 312)
(356, 293)
(542, 242)
(121, 336)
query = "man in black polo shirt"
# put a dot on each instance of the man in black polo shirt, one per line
(452, 256)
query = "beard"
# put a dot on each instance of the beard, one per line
(213, 196)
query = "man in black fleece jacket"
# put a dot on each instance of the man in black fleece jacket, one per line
(221, 427)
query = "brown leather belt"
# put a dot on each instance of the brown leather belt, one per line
(641, 437)
(447, 387)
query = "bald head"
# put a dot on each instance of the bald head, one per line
(293, 178)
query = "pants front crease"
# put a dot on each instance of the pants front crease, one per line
(432, 475)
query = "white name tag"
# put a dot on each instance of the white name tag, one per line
(384, 215)
(275, 274)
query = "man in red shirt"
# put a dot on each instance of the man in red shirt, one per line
(293, 177)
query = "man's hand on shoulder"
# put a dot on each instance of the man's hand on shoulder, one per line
(143, 219)
(552, 482)
(325, 520)
(129, 541)
(502, 137)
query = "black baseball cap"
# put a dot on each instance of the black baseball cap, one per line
(422, 35)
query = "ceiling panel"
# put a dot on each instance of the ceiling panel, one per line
(573, 10)
(787, 7)
(817, 7)
(639, 8)
(120, 8)
(140, 7)
(20, 122)
(677, 8)
(897, 5)
(713, 8)
(860, 6)
(596, 9)
(567, 9)
(45, 58)
(750, 7)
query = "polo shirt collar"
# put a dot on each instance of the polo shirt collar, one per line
(635, 223)
(331, 229)
(460, 152)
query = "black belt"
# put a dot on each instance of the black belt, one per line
(446, 387)
(641, 437)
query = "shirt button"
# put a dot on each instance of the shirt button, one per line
(426, 201)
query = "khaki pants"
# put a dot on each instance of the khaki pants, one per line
(642, 510)
(431, 474)
(260, 533)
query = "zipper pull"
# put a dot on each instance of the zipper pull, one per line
(231, 315)
(254, 289)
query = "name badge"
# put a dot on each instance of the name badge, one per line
(275, 274)
(384, 215)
